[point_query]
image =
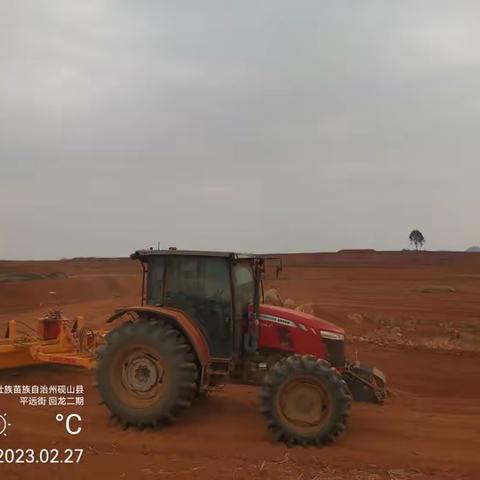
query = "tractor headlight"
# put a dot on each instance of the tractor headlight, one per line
(331, 335)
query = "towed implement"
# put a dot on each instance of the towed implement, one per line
(56, 339)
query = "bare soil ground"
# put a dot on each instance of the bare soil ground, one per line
(414, 316)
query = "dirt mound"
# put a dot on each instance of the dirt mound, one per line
(26, 295)
(26, 277)
(71, 266)
(272, 297)
(373, 258)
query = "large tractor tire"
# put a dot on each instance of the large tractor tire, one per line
(146, 373)
(305, 401)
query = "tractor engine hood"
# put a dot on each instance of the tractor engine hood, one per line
(301, 319)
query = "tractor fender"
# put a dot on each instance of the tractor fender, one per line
(178, 318)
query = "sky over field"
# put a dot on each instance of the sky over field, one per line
(266, 126)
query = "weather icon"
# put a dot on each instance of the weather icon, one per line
(4, 425)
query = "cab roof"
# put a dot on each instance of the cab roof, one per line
(144, 255)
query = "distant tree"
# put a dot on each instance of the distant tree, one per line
(417, 239)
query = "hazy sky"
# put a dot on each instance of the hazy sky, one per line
(237, 125)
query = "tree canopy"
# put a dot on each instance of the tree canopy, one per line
(417, 239)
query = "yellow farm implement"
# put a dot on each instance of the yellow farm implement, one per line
(56, 340)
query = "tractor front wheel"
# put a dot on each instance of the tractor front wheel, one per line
(146, 373)
(305, 401)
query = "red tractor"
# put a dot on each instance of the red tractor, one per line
(201, 321)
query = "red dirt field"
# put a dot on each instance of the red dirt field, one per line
(414, 315)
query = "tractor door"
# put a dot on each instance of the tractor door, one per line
(200, 286)
(243, 288)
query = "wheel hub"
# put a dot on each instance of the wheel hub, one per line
(143, 374)
(304, 403)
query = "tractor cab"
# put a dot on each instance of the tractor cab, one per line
(214, 289)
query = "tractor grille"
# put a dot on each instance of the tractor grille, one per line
(335, 352)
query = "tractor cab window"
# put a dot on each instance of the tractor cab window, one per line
(156, 269)
(244, 286)
(200, 286)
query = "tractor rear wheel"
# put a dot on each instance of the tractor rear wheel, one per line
(146, 373)
(305, 401)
